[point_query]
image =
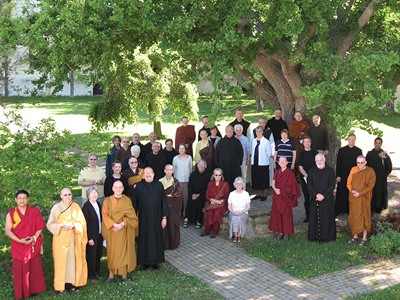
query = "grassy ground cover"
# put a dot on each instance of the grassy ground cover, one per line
(390, 293)
(304, 259)
(166, 283)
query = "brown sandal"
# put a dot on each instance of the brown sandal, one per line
(353, 240)
(363, 243)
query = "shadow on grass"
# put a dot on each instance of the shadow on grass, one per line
(303, 259)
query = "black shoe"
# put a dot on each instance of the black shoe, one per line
(306, 220)
(60, 293)
(204, 233)
(263, 198)
(155, 267)
(145, 267)
(124, 279)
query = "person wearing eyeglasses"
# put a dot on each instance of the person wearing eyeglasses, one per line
(92, 176)
(68, 226)
(360, 183)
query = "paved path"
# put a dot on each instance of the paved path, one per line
(237, 275)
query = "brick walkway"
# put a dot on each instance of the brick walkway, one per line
(236, 275)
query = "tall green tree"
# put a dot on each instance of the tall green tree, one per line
(105, 42)
(10, 32)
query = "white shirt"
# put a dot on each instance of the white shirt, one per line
(97, 210)
(182, 168)
(239, 200)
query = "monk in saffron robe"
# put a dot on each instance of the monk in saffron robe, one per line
(68, 226)
(24, 226)
(298, 128)
(173, 192)
(119, 227)
(360, 183)
(286, 192)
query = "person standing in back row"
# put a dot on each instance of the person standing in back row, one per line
(239, 120)
(185, 134)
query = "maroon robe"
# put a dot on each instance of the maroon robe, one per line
(172, 234)
(214, 216)
(185, 135)
(27, 263)
(281, 217)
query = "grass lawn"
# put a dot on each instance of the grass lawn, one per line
(304, 259)
(166, 283)
(390, 293)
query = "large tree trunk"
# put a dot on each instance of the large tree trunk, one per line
(157, 128)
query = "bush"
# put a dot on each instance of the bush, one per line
(35, 159)
(386, 243)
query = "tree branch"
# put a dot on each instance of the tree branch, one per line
(303, 40)
(362, 21)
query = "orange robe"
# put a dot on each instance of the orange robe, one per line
(362, 181)
(69, 246)
(121, 250)
(297, 131)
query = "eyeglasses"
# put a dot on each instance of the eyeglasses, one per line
(133, 162)
(125, 142)
(67, 195)
(93, 159)
(360, 162)
(218, 175)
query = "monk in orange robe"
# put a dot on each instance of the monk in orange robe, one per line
(298, 128)
(360, 183)
(24, 226)
(68, 226)
(119, 227)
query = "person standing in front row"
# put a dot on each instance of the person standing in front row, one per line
(68, 226)
(119, 227)
(24, 225)
(151, 205)
(360, 183)
(321, 183)
(286, 192)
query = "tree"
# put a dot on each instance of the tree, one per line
(9, 39)
(101, 42)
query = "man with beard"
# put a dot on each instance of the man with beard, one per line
(380, 161)
(321, 183)
(346, 159)
(151, 205)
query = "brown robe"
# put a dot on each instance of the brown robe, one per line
(297, 131)
(121, 253)
(172, 234)
(362, 181)
(185, 135)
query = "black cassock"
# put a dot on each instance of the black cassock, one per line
(382, 165)
(151, 206)
(346, 159)
(157, 163)
(322, 226)
(198, 183)
(229, 157)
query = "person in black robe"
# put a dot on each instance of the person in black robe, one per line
(239, 120)
(229, 156)
(306, 163)
(205, 127)
(151, 205)
(197, 188)
(156, 160)
(277, 124)
(169, 151)
(346, 159)
(321, 183)
(380, 161)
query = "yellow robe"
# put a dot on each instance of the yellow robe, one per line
(69, 246)
(121, 251)
(362, 181)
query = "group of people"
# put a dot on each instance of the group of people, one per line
(146, 189)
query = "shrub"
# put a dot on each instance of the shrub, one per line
(386, 243)
(34, 158)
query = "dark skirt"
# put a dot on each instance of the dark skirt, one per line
(259, 177)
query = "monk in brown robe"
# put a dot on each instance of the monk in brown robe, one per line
(173, 192)
(68, 226)
(185, 134)
(360, 183)
(118, 229)
(286, 192)
(298, 128)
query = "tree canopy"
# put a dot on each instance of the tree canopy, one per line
(335, 58)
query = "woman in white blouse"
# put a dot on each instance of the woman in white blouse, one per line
(238, 205)
(183, 165)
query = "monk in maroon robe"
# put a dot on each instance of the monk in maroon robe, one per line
(24, 225)
(286, 192)
(185, 134)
